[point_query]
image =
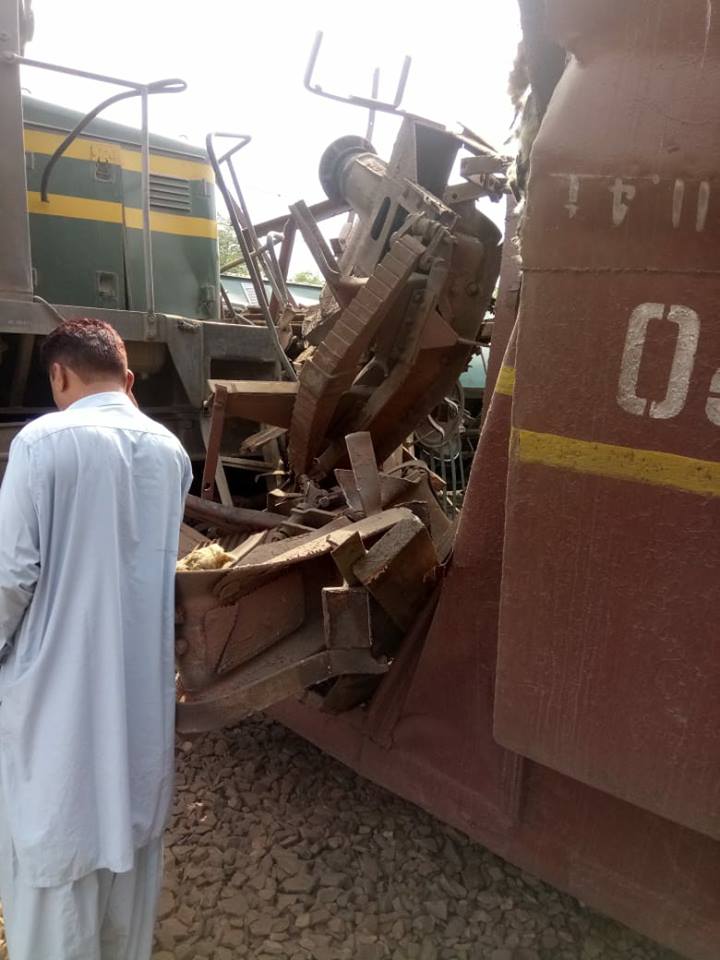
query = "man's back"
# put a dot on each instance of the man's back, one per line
(87, 714)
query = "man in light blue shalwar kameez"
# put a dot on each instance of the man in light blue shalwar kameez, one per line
(90, 510)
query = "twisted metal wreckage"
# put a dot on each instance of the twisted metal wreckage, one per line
(323, 584)
(556, 696)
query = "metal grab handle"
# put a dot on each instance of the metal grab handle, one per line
(263, 254)
(369, 103)
(143, 90)
(159, 86)
(243, 139)
(246, 237)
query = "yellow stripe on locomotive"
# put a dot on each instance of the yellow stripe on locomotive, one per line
(87, 239)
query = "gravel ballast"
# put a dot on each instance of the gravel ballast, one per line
(277, 850)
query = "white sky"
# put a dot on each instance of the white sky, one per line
(244, 65)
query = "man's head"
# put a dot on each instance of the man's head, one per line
(83, 357)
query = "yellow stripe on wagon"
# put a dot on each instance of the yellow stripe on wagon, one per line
(107, 211)
(652, 467)
(506, 381)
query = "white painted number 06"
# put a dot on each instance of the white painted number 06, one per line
(686, 344)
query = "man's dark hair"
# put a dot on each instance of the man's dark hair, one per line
(90, 348)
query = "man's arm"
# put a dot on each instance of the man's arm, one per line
(187, 478)
(19, 543)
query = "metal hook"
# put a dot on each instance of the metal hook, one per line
(436, 426)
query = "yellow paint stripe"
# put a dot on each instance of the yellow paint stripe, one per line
(172, 223)
(77, 208)
(619, 463)
(80, 208)
(39, 141)
(168, 166)
(506, 381)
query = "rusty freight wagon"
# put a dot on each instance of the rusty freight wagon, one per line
(553, 688)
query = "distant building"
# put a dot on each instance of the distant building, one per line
(241, 293)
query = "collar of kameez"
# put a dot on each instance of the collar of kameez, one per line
(108, 398)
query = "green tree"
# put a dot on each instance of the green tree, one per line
(306, 276)
(229, 248)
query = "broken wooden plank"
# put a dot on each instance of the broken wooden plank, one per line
(264, 401)
(235, 518)
(257, 440)
(397, 570)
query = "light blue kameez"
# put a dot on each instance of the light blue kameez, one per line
(90, 509)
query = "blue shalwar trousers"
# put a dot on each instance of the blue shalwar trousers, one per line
(102, 916)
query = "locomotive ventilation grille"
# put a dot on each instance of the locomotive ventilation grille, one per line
(170, 193)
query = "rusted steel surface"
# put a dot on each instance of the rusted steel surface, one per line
(508, 299)
(397, 571)
(283, 671)
(609, 662)
(267, 628)
(347, 618)
(334, 366)
(428, 736)
(256, 622)
(419, 351)
(553, 688)
(269, 402)
(365, 471)
(576, 624)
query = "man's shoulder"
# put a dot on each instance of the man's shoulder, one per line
(74, 420)
(40, 427)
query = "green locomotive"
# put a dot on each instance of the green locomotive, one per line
(103, 220)
(86, 240)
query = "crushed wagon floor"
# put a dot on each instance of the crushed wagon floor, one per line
(277, 850)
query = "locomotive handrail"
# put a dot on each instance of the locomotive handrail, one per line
(159, 86)
(246, 236)
(143, 90)
(369, 103)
